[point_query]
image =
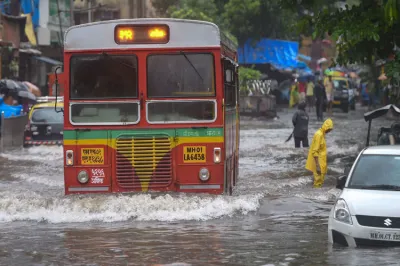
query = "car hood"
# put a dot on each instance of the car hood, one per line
(372, 202)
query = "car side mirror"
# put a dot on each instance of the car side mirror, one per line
(341, 181)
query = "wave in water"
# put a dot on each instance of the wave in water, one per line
(111, 208)
(39, 154)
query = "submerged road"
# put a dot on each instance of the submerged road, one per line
(274, 218)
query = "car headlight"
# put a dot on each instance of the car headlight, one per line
(341, 212)
(204, 174)
(83, 177)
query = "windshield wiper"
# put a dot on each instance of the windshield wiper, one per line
(382, 186)
(190, 62)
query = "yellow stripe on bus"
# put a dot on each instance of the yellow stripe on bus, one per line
(180, 140)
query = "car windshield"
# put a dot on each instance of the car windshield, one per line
(376, 172)
(47, 115)
(340, 84)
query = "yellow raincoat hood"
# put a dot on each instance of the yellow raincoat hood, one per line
(318, 148)
(328, 124)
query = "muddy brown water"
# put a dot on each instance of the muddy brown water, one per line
(274, 217)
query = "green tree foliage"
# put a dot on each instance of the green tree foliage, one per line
(246, 74)
(194, 9)
(365, 30)
(254, 19)
(245, 19)
(162, 6)
(206, 10)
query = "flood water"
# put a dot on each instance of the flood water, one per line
(274, 218)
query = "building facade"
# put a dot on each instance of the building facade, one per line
(99, 10)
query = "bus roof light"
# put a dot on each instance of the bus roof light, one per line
(157, 33)
(141, 34)
(125, 34)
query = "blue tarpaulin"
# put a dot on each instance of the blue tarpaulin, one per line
(280, 54)
(31, 7)
(27, 7)
(9, 110)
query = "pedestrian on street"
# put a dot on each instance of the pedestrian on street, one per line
(320, 99)
(294, 95)
(317, 155)
(302, 91)
(329, 94)
(300, 123)
(310, 94)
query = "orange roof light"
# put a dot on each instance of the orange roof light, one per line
(157, 33)
(125, 34)
(141, 34)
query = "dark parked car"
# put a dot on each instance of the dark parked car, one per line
(45, 126)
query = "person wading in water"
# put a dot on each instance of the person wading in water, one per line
(317, 155)
(300, 123)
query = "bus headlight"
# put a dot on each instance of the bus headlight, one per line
(69, 158)
(217, 155)
(83, 177)
(204, 174)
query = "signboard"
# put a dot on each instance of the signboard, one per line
(194, 154)
(92, 156)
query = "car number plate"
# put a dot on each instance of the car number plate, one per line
(194, 154)
(386, 236)
(336, 102)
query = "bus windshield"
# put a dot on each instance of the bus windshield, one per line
(103, 76)
(180, 75)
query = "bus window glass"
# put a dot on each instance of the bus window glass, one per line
(47, 116)
(229, 84)
(180, 75)
(102, 113)
(103, 76)
(166, 111)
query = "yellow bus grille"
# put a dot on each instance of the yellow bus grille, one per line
(143, 162)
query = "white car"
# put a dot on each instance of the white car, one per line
(367, 212)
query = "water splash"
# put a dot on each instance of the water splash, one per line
(112, 208)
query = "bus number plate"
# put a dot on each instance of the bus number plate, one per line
(92, 156)
(194, 154)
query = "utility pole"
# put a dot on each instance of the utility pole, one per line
(89, 11)
(130, 8)
(60, 23)
(144, 9)
(71, 13)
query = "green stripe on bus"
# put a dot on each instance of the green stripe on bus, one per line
(181, 132)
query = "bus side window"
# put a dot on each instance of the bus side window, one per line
(230, 85)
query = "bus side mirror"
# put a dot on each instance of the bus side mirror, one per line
(341, 181)
(228, 75)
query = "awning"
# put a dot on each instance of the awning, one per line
(280, 54)
(48, 60)
(30, 51)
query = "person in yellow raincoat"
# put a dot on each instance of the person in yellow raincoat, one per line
(317, 155)
(294, 95)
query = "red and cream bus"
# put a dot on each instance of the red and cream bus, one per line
(150, 105)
